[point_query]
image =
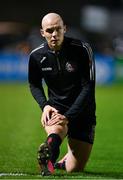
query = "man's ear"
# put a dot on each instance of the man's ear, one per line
(42, 32)
(65, 29)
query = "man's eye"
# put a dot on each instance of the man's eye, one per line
(50, 31)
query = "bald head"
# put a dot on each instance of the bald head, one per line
(49, 18)
(53, 30)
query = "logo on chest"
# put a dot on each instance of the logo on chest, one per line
(47, 69)
(70, 67)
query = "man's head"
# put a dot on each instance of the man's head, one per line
(53, 30)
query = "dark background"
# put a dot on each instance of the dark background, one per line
(25, 33)
(31, 11)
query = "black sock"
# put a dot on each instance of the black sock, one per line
(54, 141)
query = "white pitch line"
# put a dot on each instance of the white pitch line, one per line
(14, 174)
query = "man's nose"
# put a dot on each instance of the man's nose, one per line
(54, 33)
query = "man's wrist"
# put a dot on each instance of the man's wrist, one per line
(45, 107)
(68, 117)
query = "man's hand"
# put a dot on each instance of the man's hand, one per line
(57, 119)
(47, 113)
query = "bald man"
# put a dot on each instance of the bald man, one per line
(67, 66)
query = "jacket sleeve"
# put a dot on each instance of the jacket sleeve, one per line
(87, 85)
(35, 82)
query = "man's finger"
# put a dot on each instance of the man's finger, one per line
(55, 116)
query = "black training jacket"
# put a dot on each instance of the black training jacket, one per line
(69, 75)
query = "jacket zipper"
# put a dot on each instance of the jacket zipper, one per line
(58, 63)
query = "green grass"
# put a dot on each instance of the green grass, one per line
(21, 134)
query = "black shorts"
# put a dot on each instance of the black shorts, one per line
(82, 128)
(81, 132)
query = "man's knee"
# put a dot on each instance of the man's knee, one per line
(78, 155)
(74, 165)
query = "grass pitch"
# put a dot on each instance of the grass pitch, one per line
(21, 134)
